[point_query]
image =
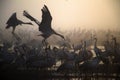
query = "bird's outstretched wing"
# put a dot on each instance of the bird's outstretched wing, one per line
(46, 20)
(26, 14)
(12, 19)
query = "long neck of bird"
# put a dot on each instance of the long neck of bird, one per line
(84, 47)
(114, 43)
(59, 35)
(95, 45)
(27, 23)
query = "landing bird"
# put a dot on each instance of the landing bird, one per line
(13, 22)
(45, 24)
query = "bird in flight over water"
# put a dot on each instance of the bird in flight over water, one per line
(45, 24)
(13, 22)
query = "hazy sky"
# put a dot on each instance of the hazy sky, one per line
(67, 14)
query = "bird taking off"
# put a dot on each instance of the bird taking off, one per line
(45, 24)
(13, 22)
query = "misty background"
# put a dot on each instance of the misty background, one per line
(70, 17)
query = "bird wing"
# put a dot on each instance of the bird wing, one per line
(26, 14)
(12, 19)
(45, 25)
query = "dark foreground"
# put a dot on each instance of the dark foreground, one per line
(100, 73)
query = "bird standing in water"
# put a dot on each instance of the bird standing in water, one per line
(45, 24)
(13, 22)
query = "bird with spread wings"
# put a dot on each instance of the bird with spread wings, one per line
(13, 22)
(45, 24)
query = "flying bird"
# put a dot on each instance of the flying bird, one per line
(45, 24)
(13, 22)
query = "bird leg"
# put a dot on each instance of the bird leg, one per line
(13, 30)
(17, 37)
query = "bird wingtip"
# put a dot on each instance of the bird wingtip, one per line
(14, 13)
(44, 4)
(24, 11)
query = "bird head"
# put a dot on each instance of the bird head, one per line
(63, 37)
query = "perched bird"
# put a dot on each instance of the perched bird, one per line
(96, 49)
(90, 65)
(13, 22)
(45, 24)
(102, 55)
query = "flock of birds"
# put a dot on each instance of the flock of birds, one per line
(44, 25)
(47, 57)
(61, 59)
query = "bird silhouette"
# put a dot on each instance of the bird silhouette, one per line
(96, 49)
(13, 22)
(99, 53)
(45, 24)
